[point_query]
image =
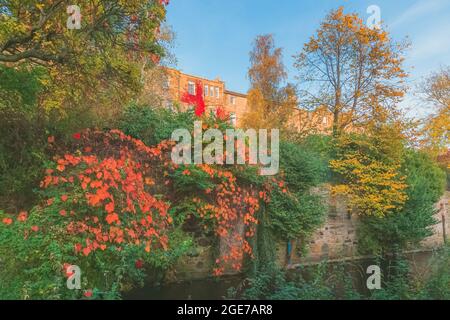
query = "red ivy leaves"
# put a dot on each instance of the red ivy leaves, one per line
(196, 100)
(7, 221)
(76, 136)
(139, 264)
(222, 114)
(113, 183)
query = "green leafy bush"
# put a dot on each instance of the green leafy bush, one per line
(410, 225)
(327, 281)
(101, 210)
(22, 136)
(152, 125)
(293, 211)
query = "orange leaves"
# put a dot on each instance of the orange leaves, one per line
(224, 207)
(86, 251)
(77, 247)
(109, 207)
(22, 216)
(114, 179)
(46, 182)
(164, 241)
(112, 217)
(7, 221)
(66, 271)
(88, 293)
(149, 181)
(99, 196)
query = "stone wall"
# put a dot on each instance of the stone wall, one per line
(335, 240)
(337, 237)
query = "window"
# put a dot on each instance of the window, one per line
(217, 92)
(191, 87)
(211, 92)
(205, 93)
(233, 118)
(232, 100)
(325, 120)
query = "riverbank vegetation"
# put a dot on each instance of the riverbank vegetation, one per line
(347, 281)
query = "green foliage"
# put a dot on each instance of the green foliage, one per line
(294, 216)
(402, 284)
(302, 166)
(296, 212)
(437, 286)
(32, 262)
(98, 64)
(153, 125)
(321, 144)
(22, 136)
(337, 281)
(306, 283)
(20, 86)
(410, 225)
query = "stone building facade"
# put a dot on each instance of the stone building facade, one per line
(216, 95)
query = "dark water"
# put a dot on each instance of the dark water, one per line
(205, 289)
(217, 288)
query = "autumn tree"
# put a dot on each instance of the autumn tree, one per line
(352, 70)
(96, 63)
(38, 30)
(155, 79)
(368, 175)
(436, 90)
(408, 226)
(270, 102)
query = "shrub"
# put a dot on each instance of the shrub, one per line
(437, 285)
(302, 166)
(101, 211)
(22, 136)
(368, 175)
(335, 281)
(152, 125)
(293, 211)
(413, 223)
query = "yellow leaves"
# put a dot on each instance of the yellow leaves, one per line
(373, 186)
(340, 189)
(312, 45)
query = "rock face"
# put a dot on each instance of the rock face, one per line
(336, 239)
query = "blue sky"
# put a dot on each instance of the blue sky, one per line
(214, 37)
